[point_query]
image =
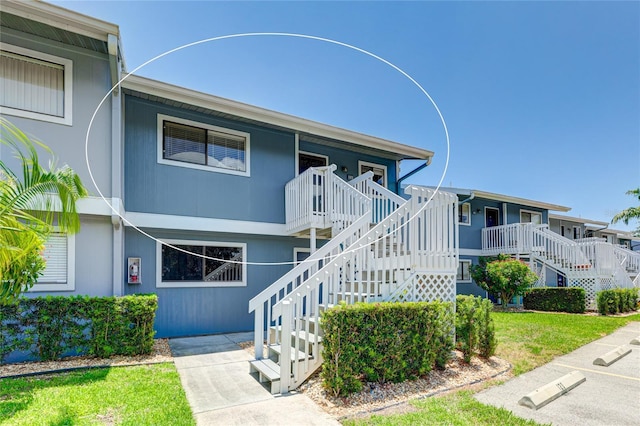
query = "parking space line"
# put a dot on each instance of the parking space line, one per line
(598, 372)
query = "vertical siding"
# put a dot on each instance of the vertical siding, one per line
(165, 189)
(194, 311)
(91, 81)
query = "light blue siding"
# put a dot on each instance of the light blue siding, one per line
(195, 311)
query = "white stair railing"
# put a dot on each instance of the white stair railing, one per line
(418, 236)
(630, 260)
(317, 198)
(515, 238)
(560, 252)
(383, 200)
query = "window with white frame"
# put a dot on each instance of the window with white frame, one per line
(59, 272)
(464, 271)
(464, 214)
(308, 159)
(201, 264)
(201, 146)
(379, 171)
(527, 216)
(35, 85)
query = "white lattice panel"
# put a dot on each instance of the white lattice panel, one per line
(425, 287)
(607, 283)
(590, 289)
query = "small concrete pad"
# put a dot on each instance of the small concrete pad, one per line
(547, 393)
(612, 356)
(187, 346)
(635, 341)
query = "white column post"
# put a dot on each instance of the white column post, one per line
(312, 240)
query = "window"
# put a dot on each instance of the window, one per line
(180, 269)
(576, 233)
(200, 146)
(464, 274)
(307, 159)
(464, 214)
(379, 172)
(35, 85)
(530, 217)
(59, 254)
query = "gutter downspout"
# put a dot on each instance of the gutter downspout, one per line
(466, 200)
(596, 230)
(411, 173)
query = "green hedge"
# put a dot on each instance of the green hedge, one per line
(384, 342)
(49, 327)
(475, 331)
(556, 299)
(617, 300)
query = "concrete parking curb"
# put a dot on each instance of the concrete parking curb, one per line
(547, 393)
(612, 356)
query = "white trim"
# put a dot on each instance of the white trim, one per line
(296, 150)
(62, 18)
(70, 285)
(67, 71)
(576, 219)
(470, 252)
(192, 284)
(204, 224)
(297, 250)
(160, 136)
(367, 163)
(469, 269)
(192, 97)
(505, 198)
(460, 207)
(531, 212)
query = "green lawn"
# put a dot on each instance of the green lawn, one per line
(526, 340)
(140, 395)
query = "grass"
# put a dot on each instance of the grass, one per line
(140, 395)
(527, 340)
(455, 409)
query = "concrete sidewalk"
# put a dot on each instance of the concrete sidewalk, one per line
(609, 396)
(214, 372)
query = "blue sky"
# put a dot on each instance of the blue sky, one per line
(541, 99)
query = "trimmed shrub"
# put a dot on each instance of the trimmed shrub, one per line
(556, 299)
(475, 330)
(384, 342)
(49, 327)
(618, 300)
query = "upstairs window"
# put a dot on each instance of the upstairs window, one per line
(204, 147)
(530, 217)
(35, 85)
(464, 214)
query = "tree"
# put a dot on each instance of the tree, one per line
(631, 213)
(30, 204)
(503, 277)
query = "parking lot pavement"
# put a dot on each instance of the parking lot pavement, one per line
(609, 396)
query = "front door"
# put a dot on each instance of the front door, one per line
(491, 217)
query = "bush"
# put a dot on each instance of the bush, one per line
(384, 342)
(618, 300)
(556, 299)
(503, 277)
(49, 327)
(475, 331)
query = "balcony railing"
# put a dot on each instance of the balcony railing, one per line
(515, 238)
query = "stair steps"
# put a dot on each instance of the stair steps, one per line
(268, 371)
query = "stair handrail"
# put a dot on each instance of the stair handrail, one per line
(306, 297)
(305, 207)
(548, 243)
(630, 260)
(345, 203)
(383, 200)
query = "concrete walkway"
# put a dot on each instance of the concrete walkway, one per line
(214, 372)
(609, 396)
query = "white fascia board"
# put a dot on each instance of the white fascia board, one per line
(190, 223)
(227, 106)
(506, 198)
(61, 18)
(577, 220)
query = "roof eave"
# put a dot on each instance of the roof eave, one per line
(62, 18)
(578, 220)
(228, 106)
(507, 199)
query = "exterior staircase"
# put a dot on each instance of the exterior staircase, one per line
(590, 263)
(382, 248)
